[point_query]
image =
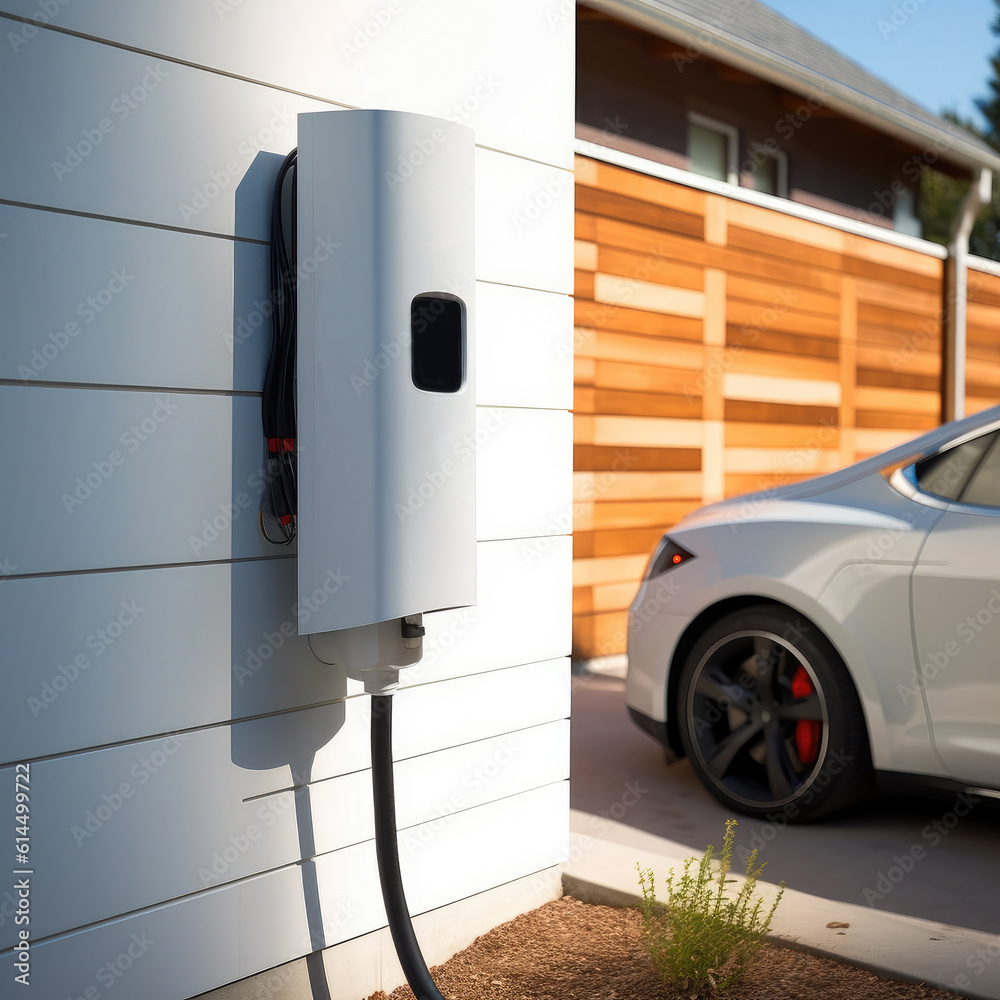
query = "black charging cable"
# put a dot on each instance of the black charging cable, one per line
(279, 500)
(387, 850)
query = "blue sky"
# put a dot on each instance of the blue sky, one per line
(938, 55)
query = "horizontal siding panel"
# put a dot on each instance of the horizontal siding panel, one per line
(357, 54)
(774, 389)
(89, 808)
(774, 318)
(610, 569)
(169, 175)
(892, 296)
(590, 314)
(644, 350)
(870, 441)
(809, 461)
(632, 514)
(603, 634)
(220, 934)
(108, 479)
(896, 400)
(97, 464)
(608, 597)
(913, 423)
(639, 186)
(591, 457)
(584, 255)
(786, 435)
(638, 432)
(627, 264)
(516, 447)
(756, 362)
(768, 293)
(644, 378)
(524, 347)
(616, 206)
(754, 337)
(524, 223)
(649, 296)
(239, 648)
(170, 167)
(684, 404)
(111, 318)
(637, 485)
(615, 543)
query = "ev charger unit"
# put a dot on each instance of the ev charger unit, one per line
(384, 411)
(385, 375)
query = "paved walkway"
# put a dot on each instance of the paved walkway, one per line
(601, 869)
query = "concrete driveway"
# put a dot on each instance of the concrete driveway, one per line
(918, 858)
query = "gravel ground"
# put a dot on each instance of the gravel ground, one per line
(568, 950)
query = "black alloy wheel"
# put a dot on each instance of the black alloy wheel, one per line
(770, 719)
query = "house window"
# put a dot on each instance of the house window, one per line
(712, 148)
(765, 170)
(904, 212)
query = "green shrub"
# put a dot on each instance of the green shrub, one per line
(702, 937)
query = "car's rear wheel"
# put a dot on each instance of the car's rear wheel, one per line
(770, 719)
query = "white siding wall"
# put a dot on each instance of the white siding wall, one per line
(200, 782)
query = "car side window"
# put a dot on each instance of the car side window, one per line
(945, 475)
(983, 487)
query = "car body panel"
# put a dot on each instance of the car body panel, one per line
(841, 550)
(956, 615)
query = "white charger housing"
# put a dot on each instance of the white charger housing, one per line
(385, 398)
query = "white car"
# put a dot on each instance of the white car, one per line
(800, 643)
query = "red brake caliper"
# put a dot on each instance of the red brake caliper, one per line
(807, 731)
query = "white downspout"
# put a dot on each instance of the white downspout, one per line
(956, 294)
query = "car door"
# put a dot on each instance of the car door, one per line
(956, 607)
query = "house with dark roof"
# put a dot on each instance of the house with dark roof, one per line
(754, 301)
